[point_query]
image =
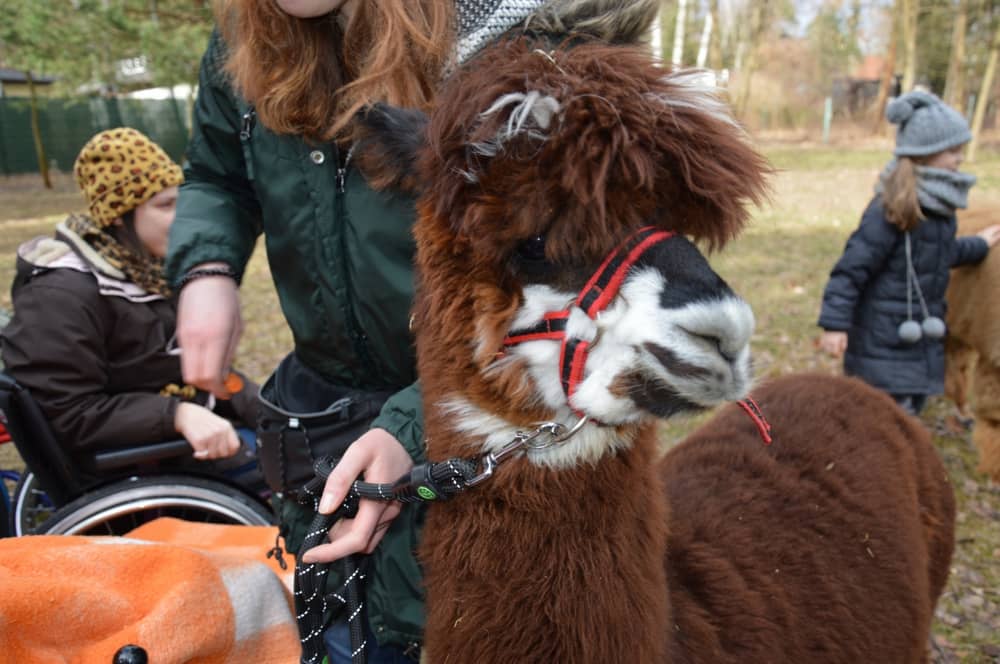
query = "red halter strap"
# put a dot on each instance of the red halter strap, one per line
(757, 415)
(596, 295)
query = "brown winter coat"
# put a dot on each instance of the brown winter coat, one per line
(91, 349)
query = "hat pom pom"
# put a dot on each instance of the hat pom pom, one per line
(899, 110)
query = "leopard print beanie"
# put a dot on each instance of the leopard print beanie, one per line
(120, 169)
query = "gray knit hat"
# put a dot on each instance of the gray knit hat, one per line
(926, 125)
(482, 21)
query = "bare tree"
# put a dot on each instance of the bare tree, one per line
(678, 52)
(715, 38)
(706, 37)
(888, 69)
(983, 99)
(656, 36)
(954, 88)
(749, 46)
(910, 10)
(36, 131)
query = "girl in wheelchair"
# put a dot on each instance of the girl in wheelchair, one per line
(91, 336)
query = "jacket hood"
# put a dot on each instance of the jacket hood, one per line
(66, 249)
(69, 251)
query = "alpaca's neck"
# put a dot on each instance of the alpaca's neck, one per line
(550, 565)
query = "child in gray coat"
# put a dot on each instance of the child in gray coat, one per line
(883, 307)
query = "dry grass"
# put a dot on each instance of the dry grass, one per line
(780, 265)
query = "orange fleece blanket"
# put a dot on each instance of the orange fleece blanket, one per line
(185, 592)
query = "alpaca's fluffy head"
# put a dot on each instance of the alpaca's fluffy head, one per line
(537, 165)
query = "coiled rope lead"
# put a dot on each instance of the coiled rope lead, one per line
(426, 482)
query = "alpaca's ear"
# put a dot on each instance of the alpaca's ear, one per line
(712, 171)
(391, 139)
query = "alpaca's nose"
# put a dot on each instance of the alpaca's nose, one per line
(725, 328)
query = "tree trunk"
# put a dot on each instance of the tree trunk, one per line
(706, 37)
(909, 24)
(678, 52)
(954, 88)
(983, 100)
(656, 38)
(715, 39)
(888, 73)
(36, 131)
(758, 17)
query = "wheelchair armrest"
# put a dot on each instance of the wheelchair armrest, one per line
(101, 462)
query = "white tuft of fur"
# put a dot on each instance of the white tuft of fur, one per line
(696, 91)
(531, 114)
(587, 445)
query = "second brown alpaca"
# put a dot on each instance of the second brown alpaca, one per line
(973, 344)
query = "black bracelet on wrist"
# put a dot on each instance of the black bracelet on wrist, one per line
(199, 272)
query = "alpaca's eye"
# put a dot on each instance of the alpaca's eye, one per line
(533, 249)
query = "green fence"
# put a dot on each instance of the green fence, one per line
(66, 124)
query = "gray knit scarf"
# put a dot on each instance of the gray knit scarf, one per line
(939, 190)
(482, 21)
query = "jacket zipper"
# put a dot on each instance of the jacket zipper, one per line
(248, 122)
(342, 170)
(357, 335)
(246, 131)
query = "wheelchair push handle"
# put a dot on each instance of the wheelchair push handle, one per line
(114, 459)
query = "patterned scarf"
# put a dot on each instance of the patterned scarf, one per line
(139, 267)
(482, 21)
(939, 190)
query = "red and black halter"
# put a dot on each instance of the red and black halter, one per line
(596, 295)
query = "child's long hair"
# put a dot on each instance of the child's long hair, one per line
(309, 77)
(899, 195)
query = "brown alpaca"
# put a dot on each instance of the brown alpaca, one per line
(973, 345)
(830, 545)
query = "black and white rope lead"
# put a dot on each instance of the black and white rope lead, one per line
(425, 482)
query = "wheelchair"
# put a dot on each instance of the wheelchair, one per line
(110, 492)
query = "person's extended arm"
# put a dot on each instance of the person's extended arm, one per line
(209, 325)
(972, 249)
(217, 223)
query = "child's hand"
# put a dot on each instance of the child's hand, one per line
(833, 343)
(991, 234)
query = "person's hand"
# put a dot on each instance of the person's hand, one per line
(381, 459)
(211, 436)
(209, 326)
(833, 342)
(991, 234)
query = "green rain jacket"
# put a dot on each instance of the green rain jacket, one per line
(341, 256)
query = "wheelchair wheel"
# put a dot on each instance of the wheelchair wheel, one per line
(4, 510)
(117, 508)
(30, 506)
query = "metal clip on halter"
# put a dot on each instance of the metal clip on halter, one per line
(554, 431)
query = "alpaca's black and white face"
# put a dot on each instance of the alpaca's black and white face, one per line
(674, 338)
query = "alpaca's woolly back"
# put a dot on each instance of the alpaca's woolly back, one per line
(831, 544)
(973, 343)
(973, 299)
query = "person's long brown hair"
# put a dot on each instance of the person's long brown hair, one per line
(899, 195)
(309, 76)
